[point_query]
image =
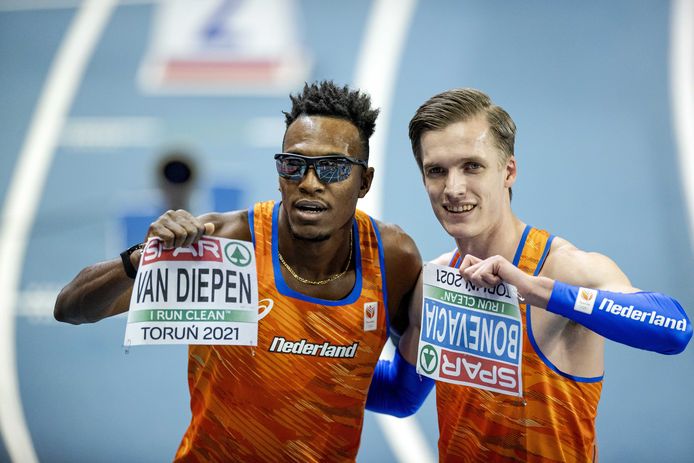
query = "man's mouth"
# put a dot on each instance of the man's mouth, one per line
(310, 207)
(460, 208)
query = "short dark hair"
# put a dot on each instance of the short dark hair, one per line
(324, 98)
(458, 105)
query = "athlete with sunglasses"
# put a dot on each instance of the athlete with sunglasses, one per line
(332, 281)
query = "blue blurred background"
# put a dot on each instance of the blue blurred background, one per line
(589, 85)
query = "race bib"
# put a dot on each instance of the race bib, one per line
(470, 335)
(203, 294)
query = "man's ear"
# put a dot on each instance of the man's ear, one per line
(511, 172)
(367, 177)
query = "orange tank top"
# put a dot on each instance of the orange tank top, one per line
(554, 420)
(300, 395)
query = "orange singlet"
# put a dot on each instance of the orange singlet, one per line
(300, 395)
(554, 421)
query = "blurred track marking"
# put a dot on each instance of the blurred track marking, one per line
(23, 198)
(682, 96)
(377, 71)
(36, 303)
(106, 133)
(404, 435)
(29, 5)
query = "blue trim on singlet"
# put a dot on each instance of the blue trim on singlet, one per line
(457, 262)
(251, 225)
(545, 251)
(528, 312)
(382, 262)
(521, 245)
(285, 290)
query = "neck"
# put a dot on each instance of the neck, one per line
(315, 260)
(501, 239)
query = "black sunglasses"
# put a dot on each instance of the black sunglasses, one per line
(329, 169)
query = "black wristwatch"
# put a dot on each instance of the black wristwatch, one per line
(125, 257)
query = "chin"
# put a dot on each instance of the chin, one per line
(308, 234)
(460, 231)
(452, 228)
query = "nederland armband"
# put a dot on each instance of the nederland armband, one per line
(650, 321)
(396, 388)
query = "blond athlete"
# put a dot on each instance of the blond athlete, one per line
(571, 300)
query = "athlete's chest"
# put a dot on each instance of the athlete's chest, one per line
(293, 326)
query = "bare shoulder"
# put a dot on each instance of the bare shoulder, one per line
(403, 264)
(400, 252)
(569, 264)
(232, 225)
(396, 243)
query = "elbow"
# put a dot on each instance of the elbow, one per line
(407, 409)
(681, 334)
(61, 310)
(674, 340)
(679, 340)
(403, 413)
(396, 408)
(401, 402)
(407, 405)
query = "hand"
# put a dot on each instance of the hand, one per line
(493, 270)
(178, 229)
(488, 272)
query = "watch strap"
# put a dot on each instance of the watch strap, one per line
(127, 264)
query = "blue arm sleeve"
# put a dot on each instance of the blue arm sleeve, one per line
(650, 321)
(396, 388)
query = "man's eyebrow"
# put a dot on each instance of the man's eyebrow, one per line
(429, 164)
(459, 160)
(472, 157)
(321, 156)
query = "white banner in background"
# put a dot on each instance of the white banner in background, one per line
(225, 46)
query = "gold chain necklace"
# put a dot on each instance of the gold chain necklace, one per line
(319, 282)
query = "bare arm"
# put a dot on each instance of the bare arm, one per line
(565, 263)
(403, 265)
(98, 291)
(610, 309)
(396, 388)
(103, 289)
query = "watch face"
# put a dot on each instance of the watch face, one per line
(135, 248)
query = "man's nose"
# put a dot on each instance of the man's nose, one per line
(456, 185)
(310, 182)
